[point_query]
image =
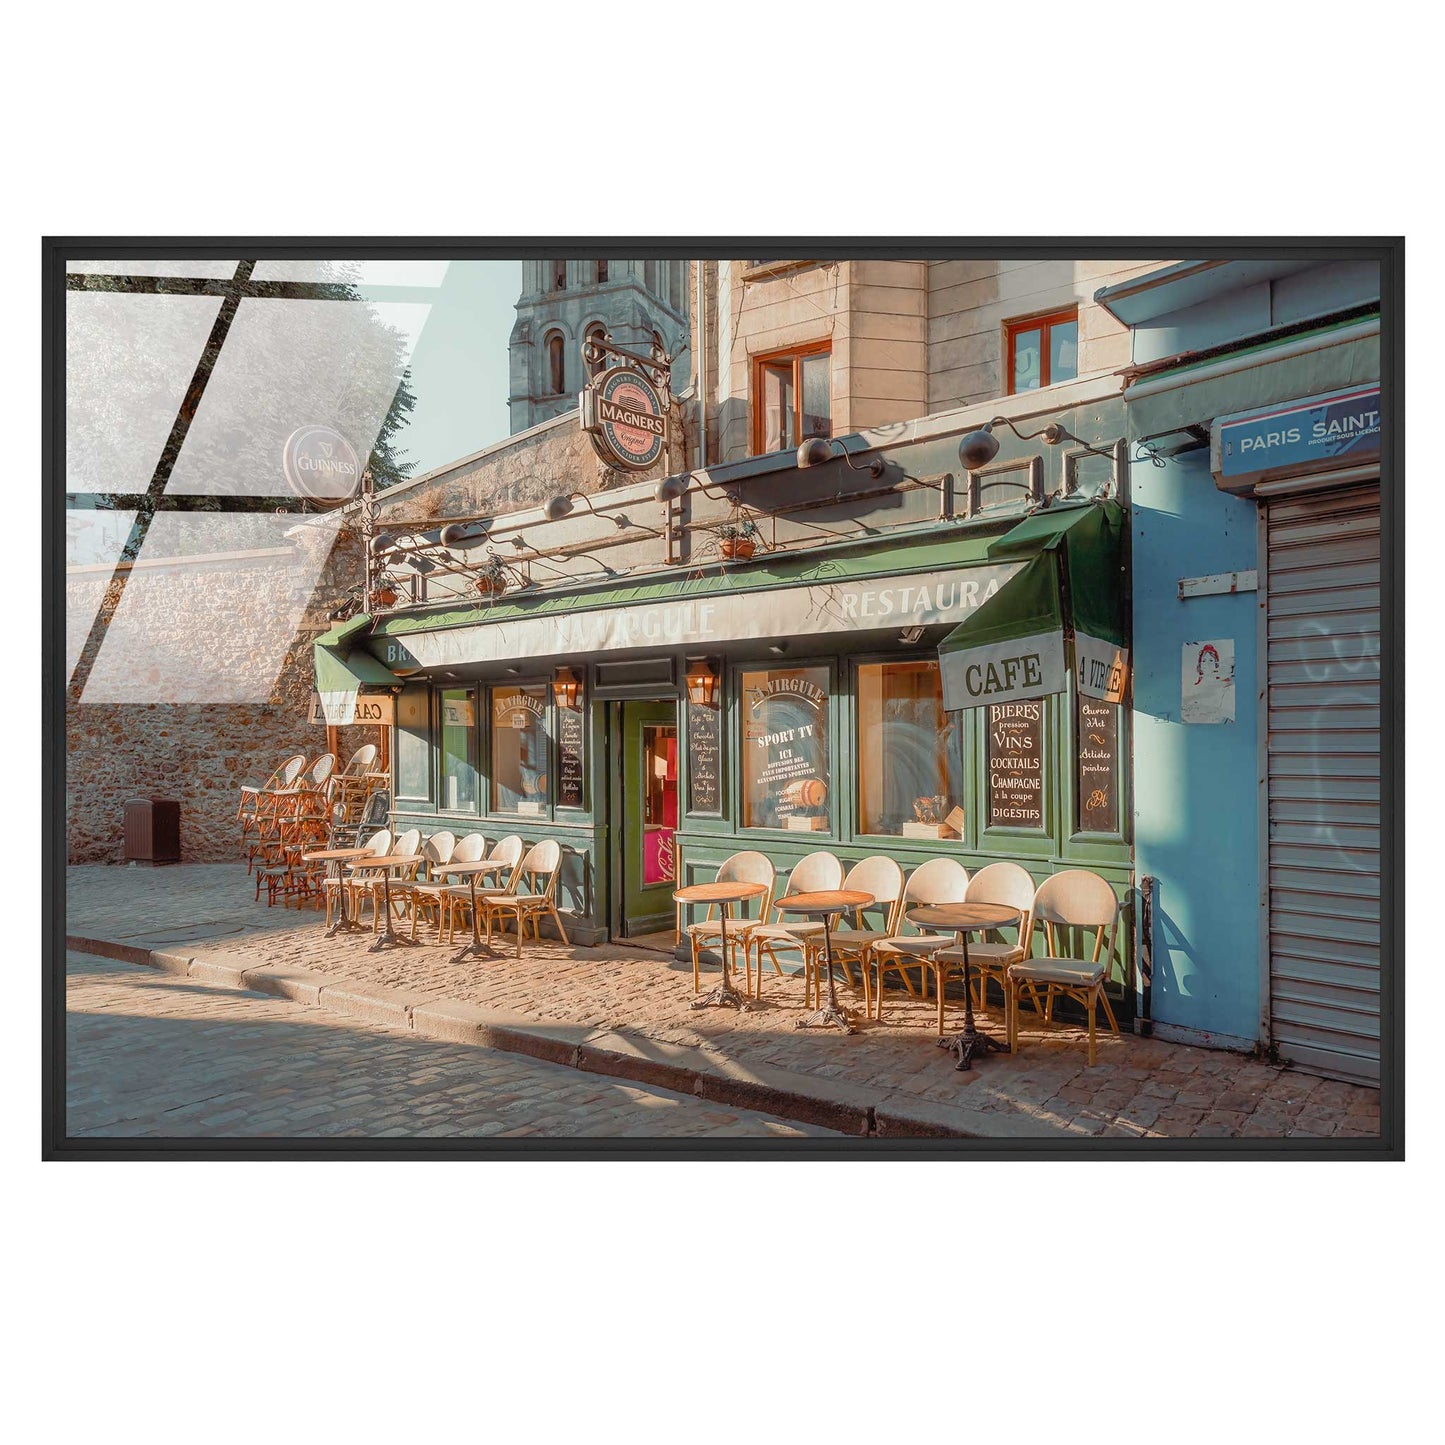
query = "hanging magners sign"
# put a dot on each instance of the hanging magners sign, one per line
(321, 465)
(626, 418)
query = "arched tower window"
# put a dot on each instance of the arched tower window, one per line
(556, 364)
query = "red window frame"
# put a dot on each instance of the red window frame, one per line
(1043, 324)
(795, 354)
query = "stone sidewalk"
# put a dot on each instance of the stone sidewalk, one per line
(151, 1056)
(624, 1012)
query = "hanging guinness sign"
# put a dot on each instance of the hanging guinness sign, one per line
(626, 418)
(321, 465)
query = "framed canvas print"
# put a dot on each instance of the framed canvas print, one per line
(787, 697)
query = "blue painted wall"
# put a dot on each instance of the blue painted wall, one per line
(1195, 784)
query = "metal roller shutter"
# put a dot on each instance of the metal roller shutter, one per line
(1323, 650)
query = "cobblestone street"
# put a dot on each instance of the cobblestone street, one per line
(625, 1003)
(153, 1056)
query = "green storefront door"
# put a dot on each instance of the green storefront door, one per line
(648, 787)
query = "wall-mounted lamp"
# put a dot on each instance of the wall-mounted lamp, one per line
(980, 447)
(669, 489)
(566, 688)
(703, 680)
(817, 450)
(465, 534)
(911, 636)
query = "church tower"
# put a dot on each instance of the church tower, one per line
(563, 302)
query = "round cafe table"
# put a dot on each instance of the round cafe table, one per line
(724, 895)
(469, 871)
(387, 937)
(827, 905)
(334, 858)
(963, 919)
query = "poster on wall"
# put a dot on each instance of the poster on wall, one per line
(1016, 765)
(1097, 754)
(785, 749)
(704, 759)
(1206, 683)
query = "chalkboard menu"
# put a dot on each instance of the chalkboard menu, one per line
(1016, 765)
(704, 759)
(571, 756)
(1098, 766)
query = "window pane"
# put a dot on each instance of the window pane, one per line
(786, 779)
(1026, 360)
(659, 764)
(817, 396)
(459, 731)
(519, 750)
(778, 408)
(413, 744)
(1063, 351)
(910, 751)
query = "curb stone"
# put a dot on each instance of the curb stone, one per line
(847, 1108)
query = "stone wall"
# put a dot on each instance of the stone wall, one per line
(162, 740)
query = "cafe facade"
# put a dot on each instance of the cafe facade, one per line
(869, 647)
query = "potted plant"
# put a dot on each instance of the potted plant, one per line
(737, 539)
(385, 591)
(491, 577)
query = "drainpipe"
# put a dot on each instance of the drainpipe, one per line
(700, 302)
(1145, 1020)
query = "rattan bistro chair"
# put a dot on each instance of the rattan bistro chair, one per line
(253, 794)
(882, 877)
(940, 880)
(817, 873)
(1074, 898)
(423, 892)
(507, 853)
(356, 886)
(746, 867)
(1003, 883)
(538, 873)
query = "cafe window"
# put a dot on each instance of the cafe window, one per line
(459, 750)
(792, 398)
(520, 746)
(910, 752)
(413, 743)
(1042, 350)
(787, 781)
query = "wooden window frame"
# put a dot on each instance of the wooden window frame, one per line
(795, 354)
(1042, 323)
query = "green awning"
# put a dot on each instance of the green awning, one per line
(343, 670)
(1067, 599)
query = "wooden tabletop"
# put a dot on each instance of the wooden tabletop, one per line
(964, 917)
(719, 892)
(833, 900)
(332, 855)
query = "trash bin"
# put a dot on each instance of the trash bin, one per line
(152, 830)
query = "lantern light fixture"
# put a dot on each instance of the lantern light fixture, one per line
(703, 680)
(566, 688)
(980, 447)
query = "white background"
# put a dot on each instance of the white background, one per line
(702, 1301)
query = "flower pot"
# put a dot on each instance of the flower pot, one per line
(386, 596)
(489, 586)
(736, 548)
